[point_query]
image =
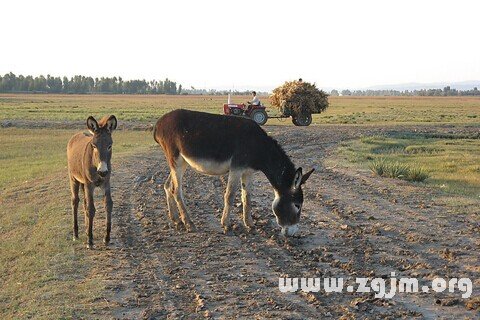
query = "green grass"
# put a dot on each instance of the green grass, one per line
(148, 108)
(36, 153)
(449, 163)
(401, 110)
(44, 274)
(395, 169)
(144, 108)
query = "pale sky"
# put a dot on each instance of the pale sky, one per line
(245, 44)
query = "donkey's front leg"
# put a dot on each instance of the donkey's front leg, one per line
(247, 214)
(108, 203)
(232, 187)
(89, 213)
(74, 187)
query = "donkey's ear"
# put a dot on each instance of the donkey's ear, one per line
(111, 123)
(92, 125)
(306, 176)
(297, 179)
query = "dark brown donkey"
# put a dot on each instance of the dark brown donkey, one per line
(89, 167)
(216, 145)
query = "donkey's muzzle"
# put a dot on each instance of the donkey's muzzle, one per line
(102, 173)
(290, 230)
(102, 169)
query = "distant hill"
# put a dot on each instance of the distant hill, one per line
(462, 85)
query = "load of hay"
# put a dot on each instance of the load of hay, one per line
(299, 97)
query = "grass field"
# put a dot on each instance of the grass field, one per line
(144, 108)
(451, 164)
(402, 110)
(41, 270)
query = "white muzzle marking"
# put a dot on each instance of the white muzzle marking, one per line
(102, 167)
(290, 230)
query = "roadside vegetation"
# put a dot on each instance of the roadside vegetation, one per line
(448, 162)
(42, 271)
(394, 169)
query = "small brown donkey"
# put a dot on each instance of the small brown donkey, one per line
(89, 167)
(216, 145)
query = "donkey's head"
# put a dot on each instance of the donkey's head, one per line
(287, 205)
(102, 142)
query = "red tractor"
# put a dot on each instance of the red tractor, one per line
(260, 116)
(256, 113)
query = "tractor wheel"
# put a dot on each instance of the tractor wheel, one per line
(303, 119)
(259, 116)
(236, 111)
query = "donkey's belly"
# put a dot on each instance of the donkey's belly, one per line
(207, 166)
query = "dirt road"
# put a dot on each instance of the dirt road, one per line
(353, 225)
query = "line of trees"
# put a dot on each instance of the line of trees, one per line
(82, 84)
(214, 92)
(445, 92)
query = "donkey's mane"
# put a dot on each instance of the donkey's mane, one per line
(279, 170)
(280, 149)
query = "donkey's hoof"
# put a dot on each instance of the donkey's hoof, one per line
(106, 240)
(90, 246)
(227, 229)
(248, 224)
(250, 230)
(75, 238)
(190, 227)
(178, 225)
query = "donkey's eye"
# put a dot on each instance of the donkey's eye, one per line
(297, 206)
(94, 146)
(109, 147)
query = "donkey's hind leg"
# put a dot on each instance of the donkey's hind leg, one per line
(246, 186)
(171, 204)
(74, 187)
(177, 177)
(232, 187)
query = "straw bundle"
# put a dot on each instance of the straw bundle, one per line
(296, 97)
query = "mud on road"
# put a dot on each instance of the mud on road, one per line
(353, 225)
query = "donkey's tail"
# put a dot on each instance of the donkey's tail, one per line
(155, 134)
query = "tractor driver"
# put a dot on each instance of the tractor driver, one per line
(255, 101)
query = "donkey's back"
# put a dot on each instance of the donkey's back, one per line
(208, 137)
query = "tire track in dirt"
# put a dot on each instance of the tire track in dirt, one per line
(211, 274)
(404, 230)
(385, 237)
